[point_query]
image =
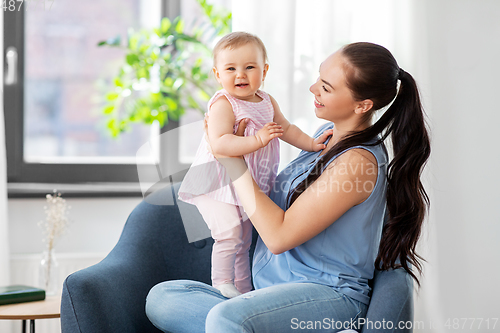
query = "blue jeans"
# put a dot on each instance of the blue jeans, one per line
(191, 306)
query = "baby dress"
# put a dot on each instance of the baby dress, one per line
(207, 176)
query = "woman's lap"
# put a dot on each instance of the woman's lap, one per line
(190, 306)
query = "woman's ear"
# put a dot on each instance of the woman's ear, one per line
(364, 106)
(264, 73)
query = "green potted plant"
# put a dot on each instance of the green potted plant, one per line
(166, 71)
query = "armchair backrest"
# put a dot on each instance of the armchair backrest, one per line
(391, 304)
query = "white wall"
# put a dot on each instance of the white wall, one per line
(462, 240)
(95, 224)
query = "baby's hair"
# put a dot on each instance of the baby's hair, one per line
(234, 40)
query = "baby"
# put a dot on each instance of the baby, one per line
(240, 67)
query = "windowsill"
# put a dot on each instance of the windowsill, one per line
(88, 190)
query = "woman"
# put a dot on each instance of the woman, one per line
(332, 217)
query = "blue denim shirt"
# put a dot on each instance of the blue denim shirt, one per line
(341, 256)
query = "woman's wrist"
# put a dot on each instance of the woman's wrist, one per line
(235, 166)
(243, 182)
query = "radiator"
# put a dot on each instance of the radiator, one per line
(24, 270)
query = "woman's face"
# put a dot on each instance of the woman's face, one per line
(333, 99)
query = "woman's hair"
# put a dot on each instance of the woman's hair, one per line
(372, 73)
(234, 40)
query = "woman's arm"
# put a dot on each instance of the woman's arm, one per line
(294, 135)
(344, 184)
(222, 139)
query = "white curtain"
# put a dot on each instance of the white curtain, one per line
(300, 34)
(4, 240)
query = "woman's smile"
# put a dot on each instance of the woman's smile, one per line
(317, 104)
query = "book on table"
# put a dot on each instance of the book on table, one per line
(20, 294)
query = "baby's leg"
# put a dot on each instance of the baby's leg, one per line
(243, 280)
(225, 249)
(224, 222)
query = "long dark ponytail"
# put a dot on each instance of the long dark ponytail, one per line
(372, 73)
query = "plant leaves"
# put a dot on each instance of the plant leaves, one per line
(169, 82)
(178, 83)
(118, 82)
(171, 104)
(155, 97)
(204, 95)
(133, 40)
(187, 38)
(183, 60)
(108, 109)
(192, 102)
(179, 27)
(112, 41)
(113, 129)
(165, 25)
(132, 59)
(111, 96)
(142, 73)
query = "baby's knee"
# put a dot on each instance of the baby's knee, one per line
(233, 233)
(231, 238)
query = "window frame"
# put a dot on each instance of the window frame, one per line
(45, 176)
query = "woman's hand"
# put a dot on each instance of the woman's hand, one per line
(235, 165)
(239, 132)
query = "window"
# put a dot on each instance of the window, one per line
(54, 74)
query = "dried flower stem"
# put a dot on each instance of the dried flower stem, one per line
(54, 225)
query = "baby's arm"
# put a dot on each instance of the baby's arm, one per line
(294, 135)
(222, 139)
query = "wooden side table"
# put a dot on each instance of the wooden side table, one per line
(48, 308)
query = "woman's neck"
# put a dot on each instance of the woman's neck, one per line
(340, 130)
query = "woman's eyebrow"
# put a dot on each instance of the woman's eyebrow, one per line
(325, 82)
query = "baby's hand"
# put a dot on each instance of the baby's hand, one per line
(268, 132)
(318, 143)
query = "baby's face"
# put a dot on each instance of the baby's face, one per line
(241, 71)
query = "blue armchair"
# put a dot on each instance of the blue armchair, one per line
(111, 295)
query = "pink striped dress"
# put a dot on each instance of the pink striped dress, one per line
(207, 176)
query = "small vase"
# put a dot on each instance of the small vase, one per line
(49, 271)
